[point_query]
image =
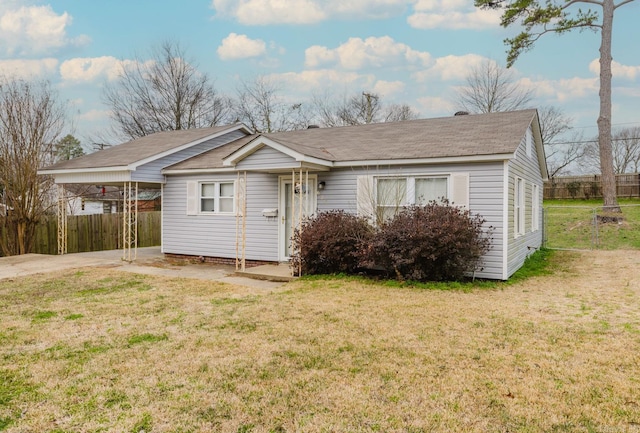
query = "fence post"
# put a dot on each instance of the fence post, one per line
(544, 227)
(594, 237)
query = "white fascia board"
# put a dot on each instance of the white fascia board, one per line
(199, 171)
(85, 170)
(236, 127)
(429, 161)
(537, 139)
(260, 142)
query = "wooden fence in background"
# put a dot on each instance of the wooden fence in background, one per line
(628, 185)
(94, 232)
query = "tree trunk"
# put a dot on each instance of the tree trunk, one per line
(21, 226)
(604, 119)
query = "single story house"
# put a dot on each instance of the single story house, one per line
(230, 194)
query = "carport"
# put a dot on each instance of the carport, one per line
(132, 167)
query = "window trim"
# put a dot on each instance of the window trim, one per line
(519, 207)
(535, 208)
(216, 197)
(410, 189)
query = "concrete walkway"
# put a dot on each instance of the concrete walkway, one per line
(149, 261)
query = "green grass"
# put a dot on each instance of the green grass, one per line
(557, 352)
(569, 224)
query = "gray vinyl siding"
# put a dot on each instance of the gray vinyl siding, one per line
(215, 235)
(267, 158)
(485, 198)
(150, 172)
(527, 168)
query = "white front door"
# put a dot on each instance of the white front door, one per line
(294, 201)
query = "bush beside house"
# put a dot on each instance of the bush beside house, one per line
(435, 242)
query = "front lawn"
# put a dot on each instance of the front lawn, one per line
(107, 351)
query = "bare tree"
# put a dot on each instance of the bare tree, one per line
(399, 112)
(166, 92)
(359, 109)
(31, 121)
(560, 155)
(491, 88)
(625, 145)
(564, 156)
(554, 16)
(261, 106)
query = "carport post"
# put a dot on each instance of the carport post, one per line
(130, 221)
(62, 220)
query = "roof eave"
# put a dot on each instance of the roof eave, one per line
(85, 170)
(429, 161)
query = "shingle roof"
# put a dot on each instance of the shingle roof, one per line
(455, 136)
(213, 158)
(138, 149)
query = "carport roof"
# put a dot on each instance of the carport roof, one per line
(140, 149)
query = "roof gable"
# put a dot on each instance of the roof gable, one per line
(132, 154)
(261, 141)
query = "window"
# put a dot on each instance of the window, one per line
(430, 188)
(535, 208)
(217, 197)
(529, 142)
(394, 193)
(391, 195)
(518, 208)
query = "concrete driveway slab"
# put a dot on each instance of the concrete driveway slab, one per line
(149, 261)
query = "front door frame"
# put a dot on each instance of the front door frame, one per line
(284, 180)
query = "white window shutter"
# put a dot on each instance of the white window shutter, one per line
(460, 189)
(192, 198)
(366, 197)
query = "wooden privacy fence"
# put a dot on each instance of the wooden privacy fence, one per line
(628, 185)
(94, 232)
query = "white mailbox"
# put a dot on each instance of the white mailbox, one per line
(270, 213)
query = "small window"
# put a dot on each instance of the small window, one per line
(529, 144)
(217, 197)
(518, 208)
(535, 208)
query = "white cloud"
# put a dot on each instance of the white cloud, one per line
(28, 68)
(35, 29)
(94, 115)
(263, 12)
(85, 69)
(237, 46)
(566, 89)
(452, 14)
(617, 69)
(388, 88)
(359, 53)
(450, 68)
(436, 106)
(308, 82)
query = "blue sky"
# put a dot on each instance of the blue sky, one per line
(408, 51)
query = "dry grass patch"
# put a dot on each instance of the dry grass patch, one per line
(100, 350)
